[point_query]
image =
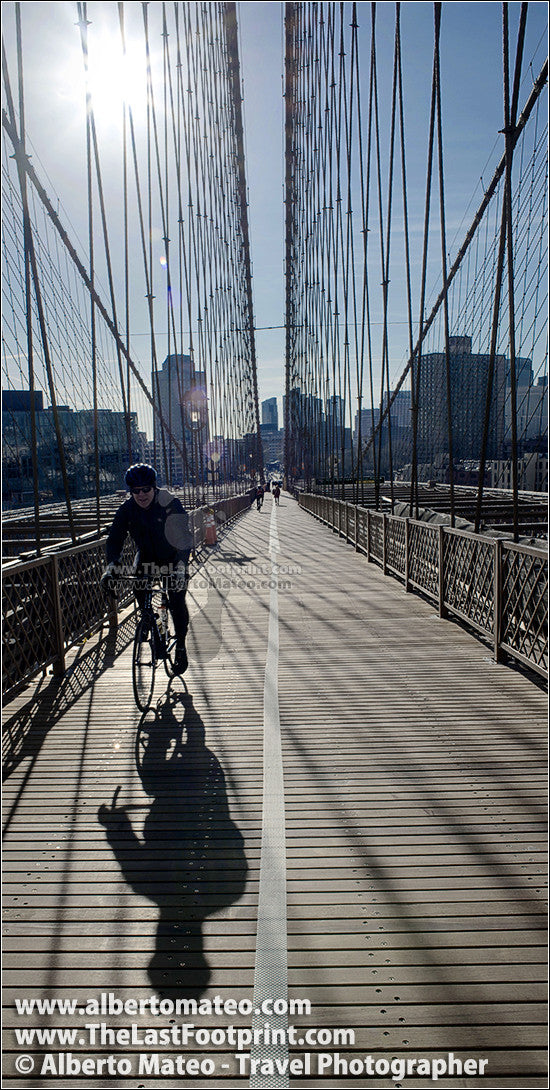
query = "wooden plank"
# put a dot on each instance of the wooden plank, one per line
(414, 792)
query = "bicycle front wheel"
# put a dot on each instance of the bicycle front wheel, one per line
(144, 661)
(170, 655)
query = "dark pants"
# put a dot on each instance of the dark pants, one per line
(176, 601)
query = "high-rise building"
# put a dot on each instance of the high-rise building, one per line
(400, 411)
(170, 385)
(180, 394)
(363, 427)
(531, 414)
(468, 386)
(524, 372)
(335, 412)
(270, 415)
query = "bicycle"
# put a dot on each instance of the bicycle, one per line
(154, 639)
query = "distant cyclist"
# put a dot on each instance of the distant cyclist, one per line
(159, 526)
(259, 496)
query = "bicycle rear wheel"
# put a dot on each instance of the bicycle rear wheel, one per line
(144, 661)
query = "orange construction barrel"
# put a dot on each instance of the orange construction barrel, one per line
(210, 535)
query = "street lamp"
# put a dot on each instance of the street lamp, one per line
(196, 407)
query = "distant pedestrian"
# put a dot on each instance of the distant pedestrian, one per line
(276, 492)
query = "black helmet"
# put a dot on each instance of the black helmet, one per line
(140, 475)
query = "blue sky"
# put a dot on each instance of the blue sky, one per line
(471, 58)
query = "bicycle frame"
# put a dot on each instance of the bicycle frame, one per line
(152, 640)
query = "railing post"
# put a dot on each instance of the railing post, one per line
(441, 573)
(497, 596)
(58, 667)
(368, 535)
(347, 521)
(384, 550)
(356, 528)
(407, 555)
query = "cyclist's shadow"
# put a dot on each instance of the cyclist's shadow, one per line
(191, 860)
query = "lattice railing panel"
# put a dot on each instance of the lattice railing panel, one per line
(469, 578)
(362, 527)
(83, 603)
(396, 545)
(29, 631)
(228, 508)
(524, 616)
(424, 558)
(351, 520)
(82, 600)
(377, 536)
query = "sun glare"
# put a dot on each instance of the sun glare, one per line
(114, 79)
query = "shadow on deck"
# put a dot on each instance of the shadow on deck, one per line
(414, 796)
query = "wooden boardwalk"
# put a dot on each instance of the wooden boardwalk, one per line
(413, 790)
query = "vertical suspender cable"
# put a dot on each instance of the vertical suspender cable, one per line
(359, 344)
(22, 167)
(510, 262)
(148, 256)
(83, 23)
(417, 358)
(509, 125)
(384, 371)
(28, 300)
(126, 231)
(230, 24)
(386, 263)
(90, 121)
(437, 81)
(165, 238)
(289, 208)
(404, 183)
(511, 137)
(376, 465)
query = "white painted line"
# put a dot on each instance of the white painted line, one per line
(271, 969)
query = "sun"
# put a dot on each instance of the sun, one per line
(115, 77)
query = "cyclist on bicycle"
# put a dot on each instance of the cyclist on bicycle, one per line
(259, 496)
(159, 526)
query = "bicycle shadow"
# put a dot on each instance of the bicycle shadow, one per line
(190, 860)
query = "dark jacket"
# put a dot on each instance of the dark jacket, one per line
(161, 532)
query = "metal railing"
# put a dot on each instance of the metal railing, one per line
(52, 601)
(495, 586)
